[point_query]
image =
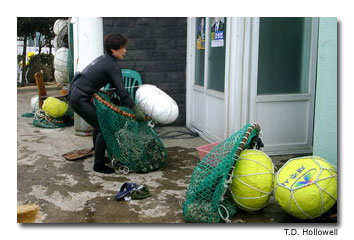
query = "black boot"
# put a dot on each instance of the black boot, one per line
(106, 160)
(100, 159)
(101, 168)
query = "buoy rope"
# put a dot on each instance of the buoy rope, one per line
(121, 168)
(251, 198)
(41, 115)
(321, 197)
(305, 185)
(292, 190)
(251, 174)
(266, 193)
(327, 193)
(254, 188)
(248, 159)
(227, 218)
(248, 208)
(297, 205)
(334, 174)
(255, 126)
(237, 177)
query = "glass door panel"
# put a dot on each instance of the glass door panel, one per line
(199, 51)
(216, 53)
(284, 55)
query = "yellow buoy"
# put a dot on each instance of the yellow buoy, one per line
(252, 180)
(54, 107)
(306, 187)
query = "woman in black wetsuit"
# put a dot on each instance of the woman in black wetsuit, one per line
(105, 69)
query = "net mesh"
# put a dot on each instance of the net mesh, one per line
(208, 200)
(40, 119)
(131, 144)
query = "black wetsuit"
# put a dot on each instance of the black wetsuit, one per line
(96, 75)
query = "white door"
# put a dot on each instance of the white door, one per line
(208, 51)
(282, 86)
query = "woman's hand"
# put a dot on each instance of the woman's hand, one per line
(139, 114)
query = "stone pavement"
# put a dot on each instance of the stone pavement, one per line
(71, 192)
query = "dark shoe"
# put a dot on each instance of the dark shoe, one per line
(134, 191)
(103, 169)
(141, 192)
(106, 160)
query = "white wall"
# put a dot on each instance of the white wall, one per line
(325, 128)
(88, 40)
(88, 45)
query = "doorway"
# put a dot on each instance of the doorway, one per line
(208, 52)
(263, 71)
(283, 82)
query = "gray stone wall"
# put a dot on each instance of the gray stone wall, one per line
(157, 50)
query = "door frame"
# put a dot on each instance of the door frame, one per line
(310, 96)
(202, 130)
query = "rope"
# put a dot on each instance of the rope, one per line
(40, 114)
(227, 218)
(271, 171)
(207, 197)
(114, 108)
(254, 188)
(182, 200)
(121, 168)
(315, 182)
(255, 126)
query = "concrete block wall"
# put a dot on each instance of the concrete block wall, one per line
(157, 50)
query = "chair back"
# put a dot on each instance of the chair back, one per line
(132, 80)
(38, 76)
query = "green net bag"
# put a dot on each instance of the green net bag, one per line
(40, 119)
(208, 200)
(132, 145)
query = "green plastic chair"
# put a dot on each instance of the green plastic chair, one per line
(132, 80)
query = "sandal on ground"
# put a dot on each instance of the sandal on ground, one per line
(134, 191)
(141, 192)
(78, 154)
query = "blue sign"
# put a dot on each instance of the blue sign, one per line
(219, 35)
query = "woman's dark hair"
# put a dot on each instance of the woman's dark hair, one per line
(114, 41)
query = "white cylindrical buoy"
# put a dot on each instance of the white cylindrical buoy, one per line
(59, 25)
(61, 77)
(157, 104)
(61, 59)
(55, 42)
(34, 103)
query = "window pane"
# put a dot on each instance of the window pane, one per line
(199, 51)
(216, 56)
(284, 51)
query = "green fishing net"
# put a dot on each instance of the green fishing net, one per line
(208, 199)
(132, 145)
(40, 119)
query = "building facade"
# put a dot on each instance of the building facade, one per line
(225, 72)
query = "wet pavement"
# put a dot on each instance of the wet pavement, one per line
(71, 192)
